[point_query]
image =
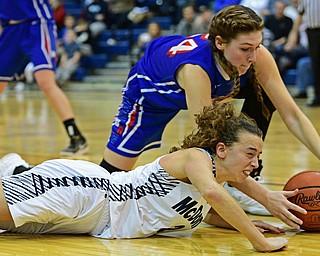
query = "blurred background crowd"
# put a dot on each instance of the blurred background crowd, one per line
(92, 33)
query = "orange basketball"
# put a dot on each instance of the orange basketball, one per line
(308, 183)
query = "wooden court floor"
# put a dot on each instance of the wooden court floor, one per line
(29, 127)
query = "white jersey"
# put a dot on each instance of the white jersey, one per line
(74, 196)
(152, 201)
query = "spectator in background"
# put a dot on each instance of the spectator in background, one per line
(203, 20)
(119, 11)
(304, 77)
(279, 25)
(261, 7)
(159, 8)
(291, 10)
(186, 26)
(292, 56)
(310, 9)
(96, 13)
(59, 13)
(304, 73)
(84, 37)
(69, 23)
(153, 31)
(70, 58)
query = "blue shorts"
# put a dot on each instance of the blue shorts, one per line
(137, 127)
(29, 41)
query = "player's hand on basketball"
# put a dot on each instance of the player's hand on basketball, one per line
(265, 227)
(272, 244)
(279, 206)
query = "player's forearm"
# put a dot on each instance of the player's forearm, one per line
(231, 212)
(253, 189)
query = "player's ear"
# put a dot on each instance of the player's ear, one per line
(221, 150)
(219, 42)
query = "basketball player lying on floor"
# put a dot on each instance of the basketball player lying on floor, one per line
(175, 192)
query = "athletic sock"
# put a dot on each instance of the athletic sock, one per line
(72, 128)
(110, 168)
(21, 169)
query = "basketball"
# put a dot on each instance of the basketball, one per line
(308, 183)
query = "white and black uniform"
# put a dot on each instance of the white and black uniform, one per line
(75, 196)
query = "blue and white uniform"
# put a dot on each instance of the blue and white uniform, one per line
(29, 35)
(75, 196)
(152, 96)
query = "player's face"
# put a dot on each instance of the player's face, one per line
(242, 157)
(241, 52)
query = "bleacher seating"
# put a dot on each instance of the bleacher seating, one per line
(289, 77)
(73, 7)
(89, 63)
(118, 48)
(165, 22)
(121, 41)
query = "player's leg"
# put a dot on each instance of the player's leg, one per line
(55, 200)
(5, 215)
(3, 85)
(42, 52)
(60, 103)
(136, 128)
(113, 161)
(56, 97)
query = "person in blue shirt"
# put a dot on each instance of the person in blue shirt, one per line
(29, 35)
(69, 59)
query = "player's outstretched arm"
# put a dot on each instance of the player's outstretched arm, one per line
(222, 202)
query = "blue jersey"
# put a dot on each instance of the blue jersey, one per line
(152, 96)
(157, 69)
(25, 10)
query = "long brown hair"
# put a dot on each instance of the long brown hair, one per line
(229, 23)
(218, 123)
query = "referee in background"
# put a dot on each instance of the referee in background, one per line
(311, 10)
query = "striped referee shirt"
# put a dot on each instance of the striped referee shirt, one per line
(311, 10)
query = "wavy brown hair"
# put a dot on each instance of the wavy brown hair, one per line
(229, 23)
(218, 123)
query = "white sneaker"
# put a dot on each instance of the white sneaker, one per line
(9, 162)
(248, 204)
(19, 86)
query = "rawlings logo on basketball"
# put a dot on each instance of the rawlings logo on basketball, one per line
(313, 201)
(308, 197)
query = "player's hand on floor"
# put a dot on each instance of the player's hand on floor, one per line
(265, 227)
(272, 244)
